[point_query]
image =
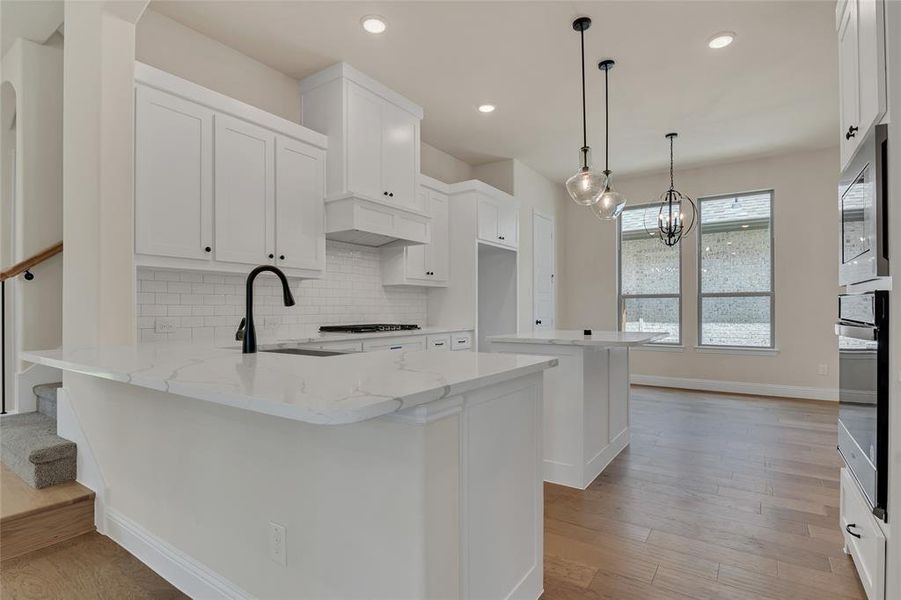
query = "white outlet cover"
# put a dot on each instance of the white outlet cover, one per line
(165, 324)
(278, 544)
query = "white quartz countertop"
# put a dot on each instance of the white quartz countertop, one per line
(576, 337)
(346, 388)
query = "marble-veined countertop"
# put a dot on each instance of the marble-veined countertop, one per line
(577, 337)
(347, 388)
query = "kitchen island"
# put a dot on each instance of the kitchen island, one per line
(586, 398)
(369, 475)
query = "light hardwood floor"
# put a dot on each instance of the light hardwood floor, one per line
(717, 497)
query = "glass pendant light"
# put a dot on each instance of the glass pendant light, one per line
(611, 203)
(677, 211)
(586, 185)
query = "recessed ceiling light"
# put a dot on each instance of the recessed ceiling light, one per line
(486, 108)
(721, 40)
(374, 24)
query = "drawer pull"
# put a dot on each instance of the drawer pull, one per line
(439, 343)
(848, 529)
(395, 348)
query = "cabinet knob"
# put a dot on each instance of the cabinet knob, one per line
(207, 249)
(391, 195)
(281, 257)
(386, 193)
(852, 131)
(538, 321)
(271, 256)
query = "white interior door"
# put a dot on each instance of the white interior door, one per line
(544, 296)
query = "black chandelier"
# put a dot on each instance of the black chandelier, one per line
(677, 211)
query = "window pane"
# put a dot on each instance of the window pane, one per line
(735, 244)
(653, 314)
(736, 321)
(647, 266)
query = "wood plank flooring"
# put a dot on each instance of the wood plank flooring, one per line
(717, 497)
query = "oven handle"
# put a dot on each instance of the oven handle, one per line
(856, 331)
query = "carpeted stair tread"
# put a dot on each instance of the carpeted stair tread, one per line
(30, 447)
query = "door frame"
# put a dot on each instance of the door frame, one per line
(536, 214)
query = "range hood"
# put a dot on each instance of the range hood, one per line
(369, 222)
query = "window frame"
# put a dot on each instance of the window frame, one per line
(700, 269)
(621, 298)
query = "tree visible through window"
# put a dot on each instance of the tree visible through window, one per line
(735, 279)
(649, 278)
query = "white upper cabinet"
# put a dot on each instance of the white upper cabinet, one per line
(860, 26)
(498, 219)
(423, 264)
(372, 176)
(251, 194)
(299, 210)
(173, 176)
(245, 195)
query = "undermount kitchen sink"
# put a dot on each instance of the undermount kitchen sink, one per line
(303, 351)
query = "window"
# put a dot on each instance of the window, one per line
(650, 278)
(735, 271)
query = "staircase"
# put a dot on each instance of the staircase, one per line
(40, 501)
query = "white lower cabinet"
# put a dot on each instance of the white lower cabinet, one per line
(223, 186)
(404, 343)
(461, 341)
(864, 539)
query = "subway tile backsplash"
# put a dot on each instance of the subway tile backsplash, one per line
(207, 307)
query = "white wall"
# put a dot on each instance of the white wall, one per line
(34, 308)
(806, 247)
(168, 45)
(442, 166)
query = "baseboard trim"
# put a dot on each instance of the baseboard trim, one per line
(191, 577)
(738, 387)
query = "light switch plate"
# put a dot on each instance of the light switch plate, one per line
(278, 543)
(165, 324)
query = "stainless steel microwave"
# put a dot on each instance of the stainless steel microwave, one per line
(863, 206)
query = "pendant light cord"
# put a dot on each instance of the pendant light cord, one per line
(584, 119)
(606, 122)
(671, 184)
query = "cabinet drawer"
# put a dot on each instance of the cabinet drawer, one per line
(461, 341)
(867, 550)
(341, 346)
(404, 343)
(438, 342)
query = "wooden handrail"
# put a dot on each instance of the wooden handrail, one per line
(28, 263)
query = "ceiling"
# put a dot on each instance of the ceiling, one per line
(773, 90)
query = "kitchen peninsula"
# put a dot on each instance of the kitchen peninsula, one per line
(586, 408)
(383, 465)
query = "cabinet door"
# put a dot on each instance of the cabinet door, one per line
(871, 66)
(299, 205)
(508, 225)
(849, 79)
(488, 221)
(399, 169)
(244, 195)
(173, 176)
(364, 142)
(438, 250)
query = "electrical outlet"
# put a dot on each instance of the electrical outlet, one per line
(165, 324)
(822, 369)
(278, 543)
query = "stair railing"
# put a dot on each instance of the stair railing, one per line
(22, 267)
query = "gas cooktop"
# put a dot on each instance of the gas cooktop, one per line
(367, 328)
